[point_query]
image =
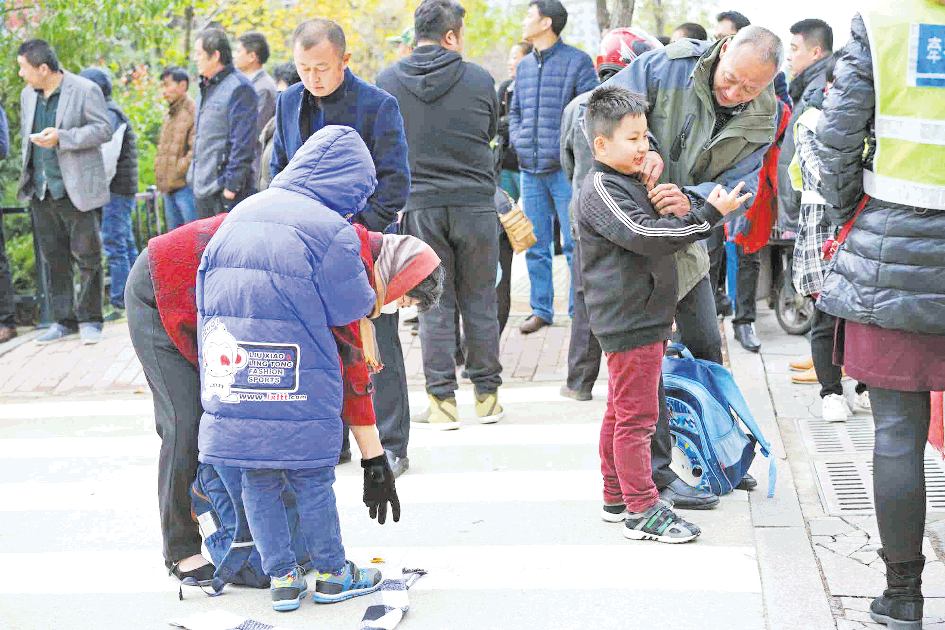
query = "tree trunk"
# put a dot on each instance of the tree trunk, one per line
(659, 17)
(621, 13)
(603, 16)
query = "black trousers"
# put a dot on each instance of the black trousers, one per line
(467, 242)
(902, 429)
(584, 352)
(7, 294)
(697, 329)
(821, 348)
(749, 268)
(215, 204)
(503, 291)
(391, 405)
(70, 236)
(175, 386)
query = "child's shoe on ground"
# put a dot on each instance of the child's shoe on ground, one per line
(347, 583)
(287, 591)
(442, 414)
(488, 408)
(661, 524)
(613, 513)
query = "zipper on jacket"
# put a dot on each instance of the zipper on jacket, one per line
(537, 108)
(680, 142)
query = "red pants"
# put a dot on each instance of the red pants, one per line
(628, 427)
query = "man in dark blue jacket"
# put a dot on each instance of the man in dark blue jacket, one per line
(7, 303)
(546, 81)
(330, 94)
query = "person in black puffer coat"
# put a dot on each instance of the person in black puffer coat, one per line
(117, 236)
(887, 282)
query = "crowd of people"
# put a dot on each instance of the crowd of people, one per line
(312, 204)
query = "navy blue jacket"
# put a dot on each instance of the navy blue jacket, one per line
(545, 82)
(283, 268)
(370, 111)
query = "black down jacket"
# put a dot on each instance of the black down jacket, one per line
(890, 272)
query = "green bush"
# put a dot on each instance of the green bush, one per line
(19, 240)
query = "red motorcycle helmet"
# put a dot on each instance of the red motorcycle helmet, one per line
(620, 46)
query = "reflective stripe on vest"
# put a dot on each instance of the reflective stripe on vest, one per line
(907, 41)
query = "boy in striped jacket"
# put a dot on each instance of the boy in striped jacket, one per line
(630, 289)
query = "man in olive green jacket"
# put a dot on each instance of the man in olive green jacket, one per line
(712, 115)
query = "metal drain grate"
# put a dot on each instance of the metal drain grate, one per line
(842, 458)
(854, 435)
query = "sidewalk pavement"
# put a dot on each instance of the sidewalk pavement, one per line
(829, 466)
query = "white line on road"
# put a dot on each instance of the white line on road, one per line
(668, 568)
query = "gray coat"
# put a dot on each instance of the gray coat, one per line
(576, 155)
(890, 272)
(266, 92)
(804, 87)
(83, 124)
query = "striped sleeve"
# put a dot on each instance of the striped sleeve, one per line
(612, 213)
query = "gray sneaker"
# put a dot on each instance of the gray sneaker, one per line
(661, 524)
(56, 332)
(90, 333)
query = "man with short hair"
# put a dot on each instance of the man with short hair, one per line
(221, 172)
(811, 47)
(63, 124)
(689, 30)
(330, 94)
(175, 149)
(546, 81)
(450, 111)
(712, 113)
(749, 265)
(251, 52)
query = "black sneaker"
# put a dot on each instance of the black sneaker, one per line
(661, 524)
(201, 576)
(613, 513)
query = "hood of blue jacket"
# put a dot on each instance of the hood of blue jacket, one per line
(333, 167)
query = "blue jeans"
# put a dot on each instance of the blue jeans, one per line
(543, 196)
(318, 517)
(510, 182)
(119, 245)
(179, 207)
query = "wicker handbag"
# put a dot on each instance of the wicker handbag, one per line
(517, 226)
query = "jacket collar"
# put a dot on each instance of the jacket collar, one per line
(544, 54)
(799, 83)
(603, 168)
(216, 79)
(174, 108)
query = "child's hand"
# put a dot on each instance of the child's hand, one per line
(727, 202)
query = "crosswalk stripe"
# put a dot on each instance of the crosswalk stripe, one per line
(142, 406)
(625, 565)
(148, 445)
(131, 488)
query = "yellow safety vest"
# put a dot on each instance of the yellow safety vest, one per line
(907, 41)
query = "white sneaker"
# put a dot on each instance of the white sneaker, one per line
(835, 408)
(862, 401)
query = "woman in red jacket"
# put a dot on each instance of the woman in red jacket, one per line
(162, 318)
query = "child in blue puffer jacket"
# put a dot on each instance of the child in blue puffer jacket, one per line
(283, 268)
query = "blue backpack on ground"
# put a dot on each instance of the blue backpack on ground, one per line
(708, 413)
(217, 505)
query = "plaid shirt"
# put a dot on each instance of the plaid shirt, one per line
(814, 228)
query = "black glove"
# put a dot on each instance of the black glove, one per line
(379, 488)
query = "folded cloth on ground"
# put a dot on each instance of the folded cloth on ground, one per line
(395, 602)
